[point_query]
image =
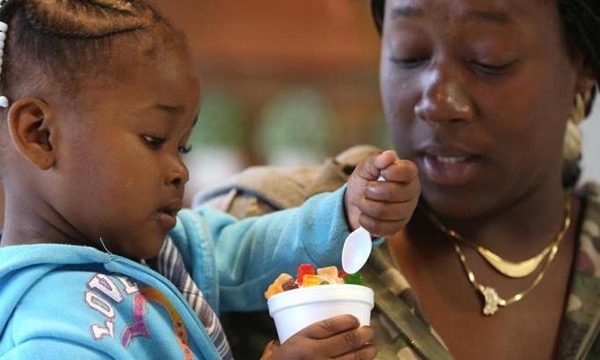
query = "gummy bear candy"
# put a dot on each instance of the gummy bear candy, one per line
(272, 290)
(356, 279)
(311, 280)
(304, 269)
(330, 275)
(289, 285)
(277, 285)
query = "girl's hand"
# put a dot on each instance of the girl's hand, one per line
(339, 337)
(382, 207)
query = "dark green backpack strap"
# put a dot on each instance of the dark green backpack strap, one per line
(414, 330)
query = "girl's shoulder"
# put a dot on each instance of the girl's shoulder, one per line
(90, 303)
(75, 304)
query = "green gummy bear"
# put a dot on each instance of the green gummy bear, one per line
(356, 279)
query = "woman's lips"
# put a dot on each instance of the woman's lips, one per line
(449, 170)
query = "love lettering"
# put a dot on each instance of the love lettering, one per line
(103, 293)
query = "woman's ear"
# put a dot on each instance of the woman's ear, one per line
(586, 79)
(32, 128)
(585, 84)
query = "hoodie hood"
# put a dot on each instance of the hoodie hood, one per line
(23, 266)
(65, 294)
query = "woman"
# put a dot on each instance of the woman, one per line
(499, 257)
(499, 260)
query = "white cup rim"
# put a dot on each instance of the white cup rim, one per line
(320, 293)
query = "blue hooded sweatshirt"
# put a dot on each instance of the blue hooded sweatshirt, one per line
(75, 302)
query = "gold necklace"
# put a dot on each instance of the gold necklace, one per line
(506, 267)
(492, 301)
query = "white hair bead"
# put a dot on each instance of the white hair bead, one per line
(3, 102)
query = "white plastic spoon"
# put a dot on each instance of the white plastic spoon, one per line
(356, 250)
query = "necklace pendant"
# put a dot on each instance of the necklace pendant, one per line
(492, 300)
(511, 269)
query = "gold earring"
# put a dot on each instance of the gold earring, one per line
(572, 142)
(579, 106)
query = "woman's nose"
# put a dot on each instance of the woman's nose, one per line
(444, 98)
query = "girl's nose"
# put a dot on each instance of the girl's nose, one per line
(178, 173)
(444, 98)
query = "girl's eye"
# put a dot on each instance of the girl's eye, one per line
(154, 142)
(185, 149)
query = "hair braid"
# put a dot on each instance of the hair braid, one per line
(87, 19)
(377, 10)
(58, 39)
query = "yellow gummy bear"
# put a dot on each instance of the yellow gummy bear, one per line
(272, 290)
(311, 280)
(282, 279)
(277, 286)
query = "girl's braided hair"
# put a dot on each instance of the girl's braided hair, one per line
(71, 40)
(581, 23)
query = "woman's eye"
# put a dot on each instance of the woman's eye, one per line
(153, 141)
(185, 149)
(408, 63)
(493, 69)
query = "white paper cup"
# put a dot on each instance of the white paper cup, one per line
(293, 310)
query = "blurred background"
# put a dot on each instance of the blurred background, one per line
(289, 82)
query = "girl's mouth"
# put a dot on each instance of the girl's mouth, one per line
(167, 216)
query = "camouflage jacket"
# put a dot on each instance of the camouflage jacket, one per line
(402, 332)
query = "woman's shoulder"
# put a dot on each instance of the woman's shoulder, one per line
(590, 193)
(589, 190)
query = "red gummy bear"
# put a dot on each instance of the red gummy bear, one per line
(304, 269)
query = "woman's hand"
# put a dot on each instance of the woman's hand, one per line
(339, 337)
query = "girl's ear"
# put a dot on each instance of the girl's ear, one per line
(32, 128)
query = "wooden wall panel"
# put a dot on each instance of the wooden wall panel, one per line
(253, 49)
(286, 38)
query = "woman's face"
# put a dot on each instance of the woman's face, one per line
(477, 93)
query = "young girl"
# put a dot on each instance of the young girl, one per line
(98, 98)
